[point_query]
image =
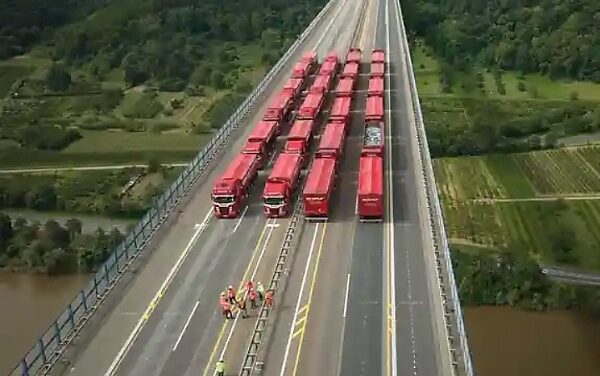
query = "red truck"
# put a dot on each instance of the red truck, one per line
(231, 188)
(279, 107)
(340, 111)
(374, 111)
(281, 183)
(375, 86)
(306, 65)
(318, 189)
(328, 68)
(354, 55)
(378, 56)
(310, 108)
(350, 70)
(332, 142)
(373, 141)
(370, 189)
(322, 84)
(310, 57)
(345, 87)
(261, 141)
(299, 137)
(377, 70)
(293, 86)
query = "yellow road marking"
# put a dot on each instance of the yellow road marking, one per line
(310, 294)
(222, 331)
(298, 332)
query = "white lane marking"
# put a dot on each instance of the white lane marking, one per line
(347, 293)
(392, 265)
(185, 326)
(302, 285)
(325, 32)
(262, 252)
(159, 293)
(239, 222)
(409, 280)
(273, 225)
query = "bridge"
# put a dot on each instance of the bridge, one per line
(351, 298)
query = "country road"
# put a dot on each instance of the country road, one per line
(49, 170)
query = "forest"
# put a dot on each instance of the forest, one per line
(53, 248)
(516, 279)
(554, 37)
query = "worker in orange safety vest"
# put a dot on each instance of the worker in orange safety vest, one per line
(249, 287)
(225, 306)
(252, 297)
(231, 295)
(269, 298)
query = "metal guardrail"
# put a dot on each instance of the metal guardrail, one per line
(443, 259)
(50, 346)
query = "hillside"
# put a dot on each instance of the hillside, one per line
(555, 37)
(112, 82)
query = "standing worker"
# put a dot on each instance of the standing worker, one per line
(231, 295)
(260, 289)
(249, 286)
(242, 307)
(269, 298)
(220, 367)
(226, 307)
(252, 297)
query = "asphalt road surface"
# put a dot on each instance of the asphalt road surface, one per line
(355, 298)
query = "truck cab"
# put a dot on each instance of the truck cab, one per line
(226, 198)
(281, 183)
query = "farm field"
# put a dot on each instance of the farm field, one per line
(547, 173)
(526, 227)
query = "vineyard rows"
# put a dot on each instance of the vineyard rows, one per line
(562, 171)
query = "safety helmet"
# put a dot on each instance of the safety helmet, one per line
(222, 294)
(230, 287)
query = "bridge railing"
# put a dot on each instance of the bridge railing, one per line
(452, 309)
(48, 348)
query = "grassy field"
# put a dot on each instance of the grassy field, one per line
(102, 142)
(476, 194)
(427, 71)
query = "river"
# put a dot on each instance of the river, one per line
(507, 341)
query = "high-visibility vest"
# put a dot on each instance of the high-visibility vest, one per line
(220, 367)
(252, 295)
(230, 293)
(261, 289)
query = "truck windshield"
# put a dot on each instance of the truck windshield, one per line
(274, 200)
(223, 199)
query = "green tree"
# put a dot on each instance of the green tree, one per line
(58, 78)
(6, 231)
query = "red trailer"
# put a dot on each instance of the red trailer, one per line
(261, 140)
(301, 69)
(293, 86)
(310, 57)
(350, 70)
(318, 189)
(378, 56)
(322, 84)
(374, 110)
(298, 139)
(370, 189)
(377, 70)
(332, 57)
(281, 183)
(373, 141)
(345, 87)
(354, 55)
(310, 108)
(332, 142)
(328, 68)
(375, 86)
(340, 110)
(279, 107)
(231, 188)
